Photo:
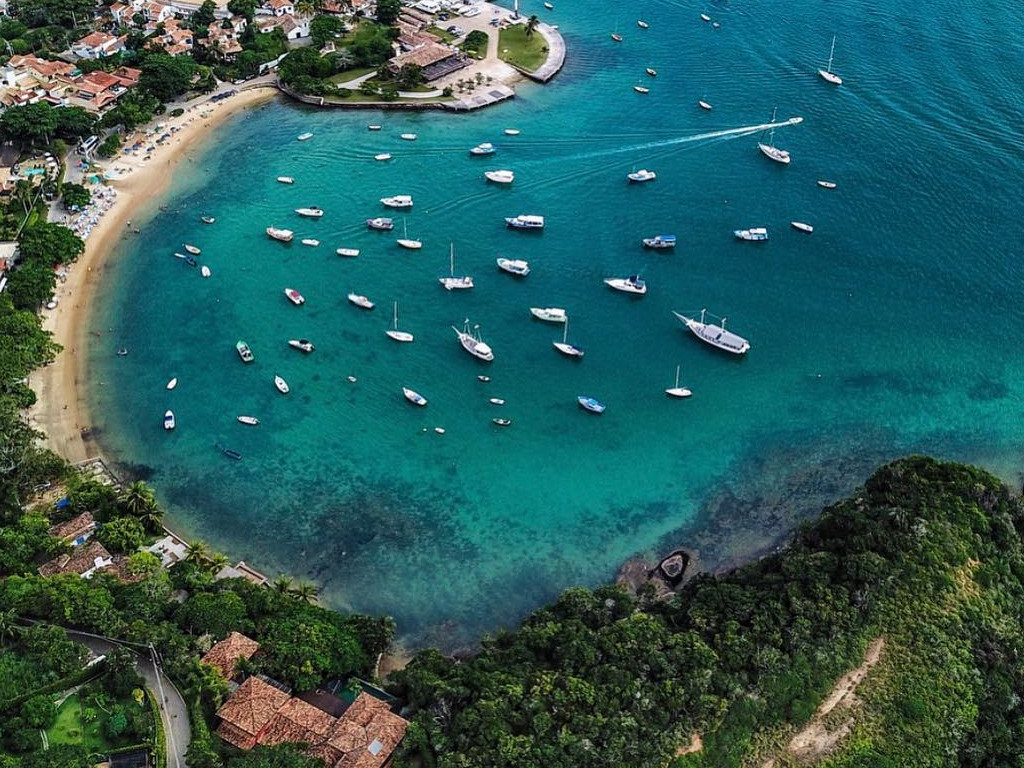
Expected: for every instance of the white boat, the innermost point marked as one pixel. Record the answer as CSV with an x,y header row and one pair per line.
x,y
802,226
381,223
632,284
191,249
396,334
286,179
703,105
350,252
373,127
591,404
406,242
517,267
512,131
473,343
294,297
716,25
303,345
827,74
397,201
312,212
651,71
483,378
754,234
205,271
641,89
659,242
705,17
251,421
549,6
772,152
642,175
715,335
563,346
616,37
408,136
169,423
305,136
642,24
282,385
525,221
207,219
500,177
382,156
182,255
172,383
439,430
361,301
678,391
496,401
414,397
483,149
549,314
821,183
453,283
312,242
284,235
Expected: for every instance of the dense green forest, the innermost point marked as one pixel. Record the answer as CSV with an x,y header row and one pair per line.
x,y
927,556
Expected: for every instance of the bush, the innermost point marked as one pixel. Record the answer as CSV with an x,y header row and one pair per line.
x,y
39,711
177,112
110,146
122,536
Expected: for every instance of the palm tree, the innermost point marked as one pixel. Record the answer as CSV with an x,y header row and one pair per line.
x,y
305,7
137,499
216,561
306,591
283,584
197,551
531,24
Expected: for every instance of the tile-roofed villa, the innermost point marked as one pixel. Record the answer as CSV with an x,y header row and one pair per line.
x,y
83,560
76,530
248,712
297,722
225,654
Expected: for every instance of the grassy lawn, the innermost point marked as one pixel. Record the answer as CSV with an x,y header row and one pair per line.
x,y
446,37
351,74
71,727
516,48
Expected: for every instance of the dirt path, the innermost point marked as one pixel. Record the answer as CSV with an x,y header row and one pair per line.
x,y
817,739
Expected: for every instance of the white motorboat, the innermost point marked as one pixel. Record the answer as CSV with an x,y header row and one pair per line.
x,y
349,252
473,343
382,156
312,212
802,226
705,17
408,136
549,6
207,219
439,430
453,282
651,71
205,271
282,385
512,131
191,249
172,383
483,149
517,267
179,255
677,391
373,127
414,397
642,175
295,297
754,234
591,404
483,378
703,105
251,421
715,335
659,242
642,24
500,177
496,401
305,136
361,301
397,201
311,242
772,152
716,25
406,242
284,235
396,334
616,37
525,221
827,74
381,223
303,345
549,314
286,179
502,422
827,184
641,89
632,284
169,422
563,346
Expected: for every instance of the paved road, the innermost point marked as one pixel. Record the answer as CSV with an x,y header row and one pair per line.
x,y
172,708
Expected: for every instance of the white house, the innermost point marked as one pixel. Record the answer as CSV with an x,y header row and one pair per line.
x,y
96,45
280,7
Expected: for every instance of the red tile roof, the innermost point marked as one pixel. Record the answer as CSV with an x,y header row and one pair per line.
x,y
246,713
82,559
225,654
73,528
296,722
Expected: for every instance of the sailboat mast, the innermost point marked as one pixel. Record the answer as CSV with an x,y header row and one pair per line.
x,y
396,315
565,331
831,54
677,377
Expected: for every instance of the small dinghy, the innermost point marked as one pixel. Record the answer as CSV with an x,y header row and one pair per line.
x,y
616,37
802,226
827,184
591,404
172,383
483,149
169,423
294,297
642,24
191,249
282,385
439,430
496,401
230,453
414,397
205,271
191,260
311,242
286,179
312,212
641,89
182,255
408,137
348,252
705,17
251,421
305,136
638,177
483,378
502,422
703,105
361,301
207,219
511,131
382,156
373,127
651,71
303,345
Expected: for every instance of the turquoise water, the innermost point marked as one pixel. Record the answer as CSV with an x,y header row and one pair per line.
x,y
892,328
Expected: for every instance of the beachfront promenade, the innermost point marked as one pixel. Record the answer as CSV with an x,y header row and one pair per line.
x,y
556,54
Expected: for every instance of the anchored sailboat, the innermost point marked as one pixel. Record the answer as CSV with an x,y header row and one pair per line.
x,y
396,334
452,282
827,74
678,391
564,346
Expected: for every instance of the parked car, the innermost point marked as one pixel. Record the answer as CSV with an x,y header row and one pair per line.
x,y
443,16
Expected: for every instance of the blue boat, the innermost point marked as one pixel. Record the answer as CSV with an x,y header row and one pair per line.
x,y
591,404
191,260
229,453
660,241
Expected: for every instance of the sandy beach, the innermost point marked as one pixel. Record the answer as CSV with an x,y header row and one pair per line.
x,y
60,410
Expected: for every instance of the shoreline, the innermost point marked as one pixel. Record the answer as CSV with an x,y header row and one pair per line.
x,y
60,410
